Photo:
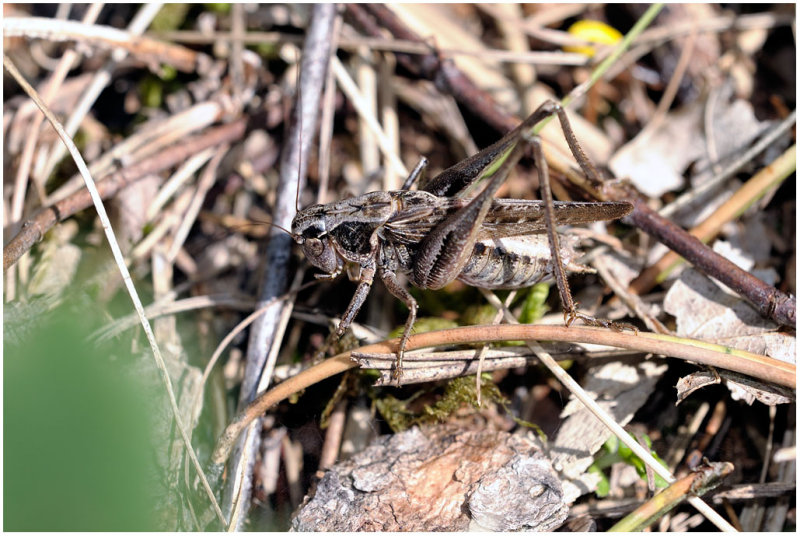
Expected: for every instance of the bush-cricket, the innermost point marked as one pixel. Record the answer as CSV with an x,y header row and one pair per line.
x,y
434,235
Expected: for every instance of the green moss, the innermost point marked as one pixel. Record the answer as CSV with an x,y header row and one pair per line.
x,y
461,391
457,393
396,412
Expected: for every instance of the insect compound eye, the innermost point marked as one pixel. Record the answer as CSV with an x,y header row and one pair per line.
x,y
321,254
314,246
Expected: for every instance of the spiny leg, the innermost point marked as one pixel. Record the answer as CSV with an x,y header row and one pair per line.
x,y
360,295
415,173
364,284
389,279
570,311
459,177
570,307
554,108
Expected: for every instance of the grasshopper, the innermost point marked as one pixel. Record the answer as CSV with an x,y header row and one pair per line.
x,y
435,235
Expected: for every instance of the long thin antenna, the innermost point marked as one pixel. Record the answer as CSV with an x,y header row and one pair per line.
x,y
299,106
276,226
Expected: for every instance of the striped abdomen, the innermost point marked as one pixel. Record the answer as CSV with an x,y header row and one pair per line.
x,y
516,262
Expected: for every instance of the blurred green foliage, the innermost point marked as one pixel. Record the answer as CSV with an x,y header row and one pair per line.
x,y
170,17
534,305
77,434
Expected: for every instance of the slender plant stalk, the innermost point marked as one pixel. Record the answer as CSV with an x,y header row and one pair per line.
x,y
697,483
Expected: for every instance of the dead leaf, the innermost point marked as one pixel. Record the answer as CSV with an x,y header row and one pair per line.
x,y
656,159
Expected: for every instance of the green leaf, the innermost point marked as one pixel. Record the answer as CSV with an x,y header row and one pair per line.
x,y
603,486
534,308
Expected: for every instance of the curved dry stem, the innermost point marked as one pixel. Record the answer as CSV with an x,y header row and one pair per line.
x,y
758,366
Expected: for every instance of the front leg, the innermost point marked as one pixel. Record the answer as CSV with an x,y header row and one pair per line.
x,y
366,277
389,279
365,283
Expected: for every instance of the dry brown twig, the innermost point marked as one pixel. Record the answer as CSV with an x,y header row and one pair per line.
x,y
268,329
34,228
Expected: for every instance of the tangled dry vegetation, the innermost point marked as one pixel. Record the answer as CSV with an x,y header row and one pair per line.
x,y
185,116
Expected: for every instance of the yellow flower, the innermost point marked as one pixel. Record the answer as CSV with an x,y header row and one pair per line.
x,y
595,32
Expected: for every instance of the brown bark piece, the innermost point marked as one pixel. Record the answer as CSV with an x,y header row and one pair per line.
x,y
439,479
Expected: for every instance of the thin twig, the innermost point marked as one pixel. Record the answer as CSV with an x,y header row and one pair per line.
x,y
333,436
770,302
697,483
353,43
480,355
241,326
350,89
188,218
149,140
151,51
169,306
35,227
633,301
181,175
100,79
674,82
50,88
387,99
753,21
739,163
326,121
659,35
367,84
265,332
